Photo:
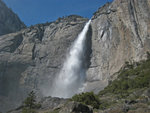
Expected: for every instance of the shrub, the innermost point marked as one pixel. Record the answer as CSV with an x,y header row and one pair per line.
x,y
130,79
30,100
30,104
88,98
148,55
104,105
28,110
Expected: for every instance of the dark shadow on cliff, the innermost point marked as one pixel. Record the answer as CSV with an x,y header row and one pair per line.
x,y
11,91
88,48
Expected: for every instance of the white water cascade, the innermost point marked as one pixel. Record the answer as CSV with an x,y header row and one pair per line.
x,y
72,76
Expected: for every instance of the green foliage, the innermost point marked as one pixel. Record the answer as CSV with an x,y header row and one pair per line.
x,y
148,103
28,110
104,105
30,104
88,98
128,65
30,100
148,55
130,79
55,111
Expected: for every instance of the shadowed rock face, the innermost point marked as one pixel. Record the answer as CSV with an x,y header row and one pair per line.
x,y
9,21
120,32
31,58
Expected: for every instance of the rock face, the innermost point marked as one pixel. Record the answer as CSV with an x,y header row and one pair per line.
x,y
57,105
31,58
74,107
9,21
120,32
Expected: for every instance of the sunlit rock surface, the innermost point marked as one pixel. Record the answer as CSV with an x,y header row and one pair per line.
x,y
120,32
30,59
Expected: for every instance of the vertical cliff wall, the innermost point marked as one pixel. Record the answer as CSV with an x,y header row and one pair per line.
x,y
30,59
120,32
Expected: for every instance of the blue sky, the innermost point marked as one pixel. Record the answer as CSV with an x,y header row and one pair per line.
x,y
40,11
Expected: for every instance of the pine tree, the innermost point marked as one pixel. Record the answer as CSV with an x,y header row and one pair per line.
x,y
30,100
29,103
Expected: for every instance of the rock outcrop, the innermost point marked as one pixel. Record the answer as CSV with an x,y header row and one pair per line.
x,y
57,105
120,33
9,21
31,58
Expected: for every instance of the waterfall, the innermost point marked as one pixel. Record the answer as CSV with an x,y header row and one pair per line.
x,y
72,75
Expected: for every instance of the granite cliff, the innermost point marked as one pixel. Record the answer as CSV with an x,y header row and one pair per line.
x,y
31,58
120,33
9,21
